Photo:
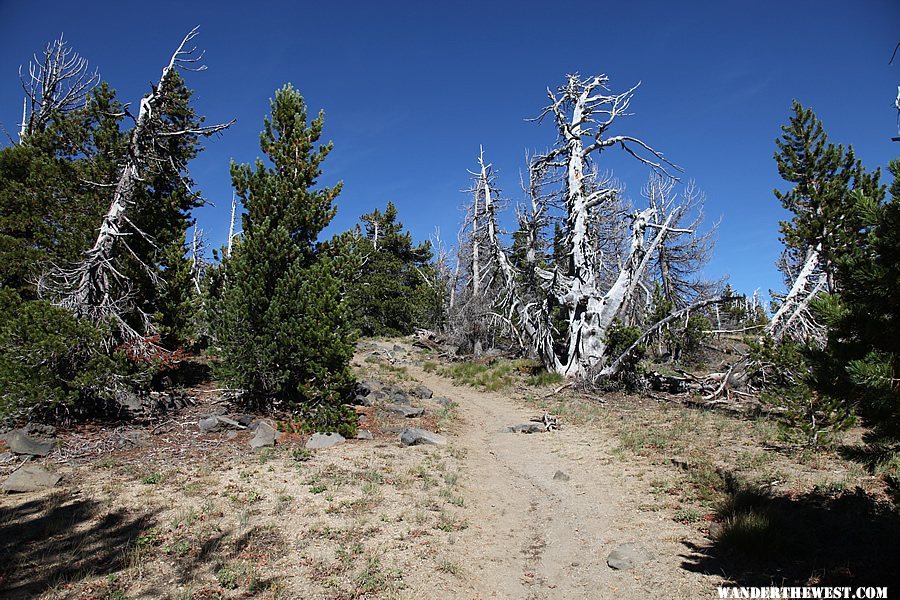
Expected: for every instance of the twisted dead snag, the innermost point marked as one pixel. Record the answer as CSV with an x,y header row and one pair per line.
x,y
96,287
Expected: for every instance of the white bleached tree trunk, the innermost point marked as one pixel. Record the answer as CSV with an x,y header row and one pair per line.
x,y
94,287
793,320
583,111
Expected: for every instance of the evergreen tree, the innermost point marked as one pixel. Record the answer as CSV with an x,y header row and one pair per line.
x,y
823,176
283,330
397,288
861,361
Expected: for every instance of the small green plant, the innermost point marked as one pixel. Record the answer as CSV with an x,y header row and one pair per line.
x,y
449,567
179,548
301,455
317,488
687,515
152,479
227,578
430,366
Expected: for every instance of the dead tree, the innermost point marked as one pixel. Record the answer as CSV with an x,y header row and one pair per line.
x,y
96,287
793,319
684,251
583,111
56,83
473,322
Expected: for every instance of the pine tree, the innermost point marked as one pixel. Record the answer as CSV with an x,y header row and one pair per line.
x,y
283,331
861,361
397,288
823,176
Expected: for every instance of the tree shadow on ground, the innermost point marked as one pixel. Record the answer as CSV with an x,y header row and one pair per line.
x,y
849,539
61,539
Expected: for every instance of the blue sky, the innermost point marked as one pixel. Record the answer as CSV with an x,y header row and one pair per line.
x,y
410,90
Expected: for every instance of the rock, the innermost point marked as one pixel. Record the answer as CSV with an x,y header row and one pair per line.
x,y
399,348
444,401
626,556
364,434
364,401
525,428
366,387
230,422
265,435
560,476
20,442
421,391
39,430
231,435
413,436
396,395
217,410
130,402
324,440
208,424
404,411
30,478
244,420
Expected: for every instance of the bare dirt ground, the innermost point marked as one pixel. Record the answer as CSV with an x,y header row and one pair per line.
x,y
173,513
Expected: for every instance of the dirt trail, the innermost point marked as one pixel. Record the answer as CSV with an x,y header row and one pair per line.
x,y
533,536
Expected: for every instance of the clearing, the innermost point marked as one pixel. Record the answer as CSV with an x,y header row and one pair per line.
x,y
695,498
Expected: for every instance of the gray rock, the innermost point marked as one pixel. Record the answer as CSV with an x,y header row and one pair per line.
x,y
404,411
30,478
560,476
39,430
231,435
366,387
364,400
396,395
130,401
399,348
265,435
626,556
525,428
230,422
444,401
324,440
364,434
217,410
20,442
244,420
421,391
209,424
413,436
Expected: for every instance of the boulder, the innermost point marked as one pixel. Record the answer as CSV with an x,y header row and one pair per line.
x,y
421,391
525,428
30,478
404,411
264,435
230,422
20,442
209,424
444,401
364,434
413,436
324,440
625,557
244,420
